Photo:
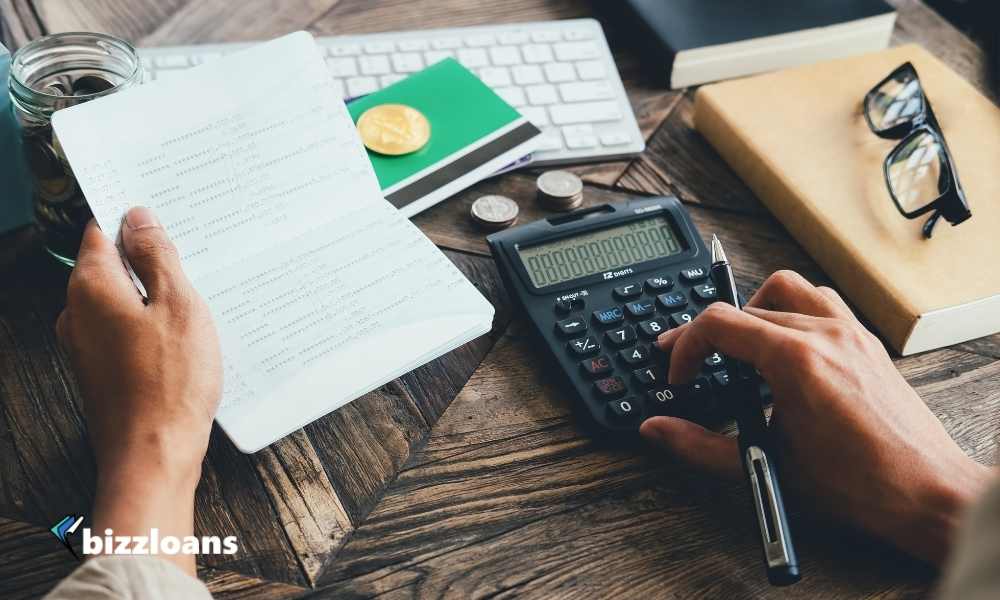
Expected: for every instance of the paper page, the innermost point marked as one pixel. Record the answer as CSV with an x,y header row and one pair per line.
x,y
253,166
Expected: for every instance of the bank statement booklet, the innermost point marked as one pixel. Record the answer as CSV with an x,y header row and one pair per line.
x,y
320,289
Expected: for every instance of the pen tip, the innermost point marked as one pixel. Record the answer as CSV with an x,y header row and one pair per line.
x,y
718,254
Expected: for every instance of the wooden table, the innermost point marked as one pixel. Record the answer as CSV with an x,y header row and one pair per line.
x,y
468,476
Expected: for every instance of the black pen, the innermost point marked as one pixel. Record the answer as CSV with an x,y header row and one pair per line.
x,y
757,451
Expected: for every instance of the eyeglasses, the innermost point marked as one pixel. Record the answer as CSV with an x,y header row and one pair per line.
x,y
919,172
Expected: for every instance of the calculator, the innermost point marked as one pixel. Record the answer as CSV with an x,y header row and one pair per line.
x,y
599,285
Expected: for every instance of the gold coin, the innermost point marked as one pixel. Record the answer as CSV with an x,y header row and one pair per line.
x,y
394,129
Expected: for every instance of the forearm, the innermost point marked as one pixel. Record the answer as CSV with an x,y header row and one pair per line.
x,y
135,497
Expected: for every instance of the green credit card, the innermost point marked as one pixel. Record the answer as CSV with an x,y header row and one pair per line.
x,y
474,133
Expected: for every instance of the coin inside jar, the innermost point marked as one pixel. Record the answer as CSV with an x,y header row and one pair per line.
x,y
394,129
91,84
495,212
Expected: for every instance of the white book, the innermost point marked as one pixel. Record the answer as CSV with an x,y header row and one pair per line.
x,y
320,289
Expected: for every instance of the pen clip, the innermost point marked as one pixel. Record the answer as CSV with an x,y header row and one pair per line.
x,y
765,503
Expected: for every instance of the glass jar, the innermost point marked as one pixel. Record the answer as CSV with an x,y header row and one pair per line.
x,y
48,74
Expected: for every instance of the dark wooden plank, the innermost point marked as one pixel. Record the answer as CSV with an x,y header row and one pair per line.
x,y
19,23
128,19
552,514
33,560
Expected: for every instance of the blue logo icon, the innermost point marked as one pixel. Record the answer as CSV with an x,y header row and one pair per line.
x,y
66,527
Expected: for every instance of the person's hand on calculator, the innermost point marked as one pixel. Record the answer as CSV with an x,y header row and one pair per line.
x,y
854,438
150,374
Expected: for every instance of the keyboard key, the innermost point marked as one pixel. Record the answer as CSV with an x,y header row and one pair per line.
x,y
638,355
380,47
536,114
585,112
505,55
546,36
410,62
640,308
680,318
377,64
344,50
694,274
495,76
559,72
578,34
597,366
581,142
537,53
342,67
528,75
706,292
359,86
413,45
621,337
615,139
652,328
591,69
672,301
480,40
662,400
387,80
716,360
586,91
627,291
645,377
436,56
551,139
512,95
446,43
623,411
542,94
610,316
567,51
610,386
473,58
572,326
584,346
659,284
513,37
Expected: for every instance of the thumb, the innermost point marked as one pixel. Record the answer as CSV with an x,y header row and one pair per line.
x,y
151,254
695,445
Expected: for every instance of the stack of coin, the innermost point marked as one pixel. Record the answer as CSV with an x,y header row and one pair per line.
x,y
494,212
560,190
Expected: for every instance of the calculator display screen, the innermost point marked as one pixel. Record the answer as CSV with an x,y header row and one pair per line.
x,y
599,251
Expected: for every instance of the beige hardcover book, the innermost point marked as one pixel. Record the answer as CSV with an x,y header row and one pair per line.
x,y
798,138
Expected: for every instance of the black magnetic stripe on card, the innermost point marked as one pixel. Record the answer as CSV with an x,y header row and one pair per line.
x,y
463,165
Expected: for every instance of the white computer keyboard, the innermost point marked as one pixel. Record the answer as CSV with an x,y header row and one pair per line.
x,y
559,74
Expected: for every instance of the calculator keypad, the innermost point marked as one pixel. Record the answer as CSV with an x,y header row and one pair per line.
x,y
617,355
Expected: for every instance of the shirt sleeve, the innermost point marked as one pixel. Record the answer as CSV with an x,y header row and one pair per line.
x,y
973,572
129,578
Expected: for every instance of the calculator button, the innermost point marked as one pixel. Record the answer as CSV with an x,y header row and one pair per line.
x,y
624,410
638,355
640,308
706,292
720,379
572,326
584,346
672,301
597,366
659,284
645,377
610,387
622,336
680,318
609,316
564,306
715,361
629,291
694,274
652,328
662,400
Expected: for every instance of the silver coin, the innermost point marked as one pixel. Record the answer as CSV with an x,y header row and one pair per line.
x,y
495,211
559,184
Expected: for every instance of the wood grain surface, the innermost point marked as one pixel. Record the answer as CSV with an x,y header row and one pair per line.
x,y
468,477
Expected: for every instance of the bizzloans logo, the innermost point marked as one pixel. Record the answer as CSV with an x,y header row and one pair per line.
x,y
152,544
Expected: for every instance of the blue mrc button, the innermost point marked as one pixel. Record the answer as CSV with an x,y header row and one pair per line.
x,y
609,316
